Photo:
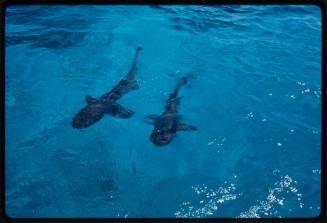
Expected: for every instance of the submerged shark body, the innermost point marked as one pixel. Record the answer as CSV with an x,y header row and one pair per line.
x,y
106,104
169,122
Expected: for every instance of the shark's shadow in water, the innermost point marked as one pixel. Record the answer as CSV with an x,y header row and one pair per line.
x,y
107,103
169,122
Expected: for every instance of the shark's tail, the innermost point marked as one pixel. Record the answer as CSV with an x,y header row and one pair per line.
x,y
132,71
138,49
182,82
185,80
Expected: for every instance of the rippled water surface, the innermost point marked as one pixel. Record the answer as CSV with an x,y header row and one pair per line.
x,y
255,98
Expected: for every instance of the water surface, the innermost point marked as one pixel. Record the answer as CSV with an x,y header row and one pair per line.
x,y
255,99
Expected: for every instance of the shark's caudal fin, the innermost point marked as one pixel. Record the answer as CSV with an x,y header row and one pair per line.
x,y
118,111
138,50
133,69
183,81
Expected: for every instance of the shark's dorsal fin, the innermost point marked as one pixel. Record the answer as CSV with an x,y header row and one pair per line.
x,y
186,127
89,99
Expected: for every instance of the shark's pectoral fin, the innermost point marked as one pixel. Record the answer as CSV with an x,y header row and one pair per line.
x,y
89,99
185,127
118,111
151,119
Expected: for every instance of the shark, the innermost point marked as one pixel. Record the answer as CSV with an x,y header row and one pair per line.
x,y
169,122
96,108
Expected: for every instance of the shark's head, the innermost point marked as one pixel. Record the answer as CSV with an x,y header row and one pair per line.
x,y
162,135
88,116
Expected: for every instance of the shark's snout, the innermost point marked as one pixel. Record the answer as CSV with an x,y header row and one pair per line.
x,y
161,139
79,123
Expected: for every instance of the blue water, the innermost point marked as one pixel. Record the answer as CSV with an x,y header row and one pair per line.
x,y
255,99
